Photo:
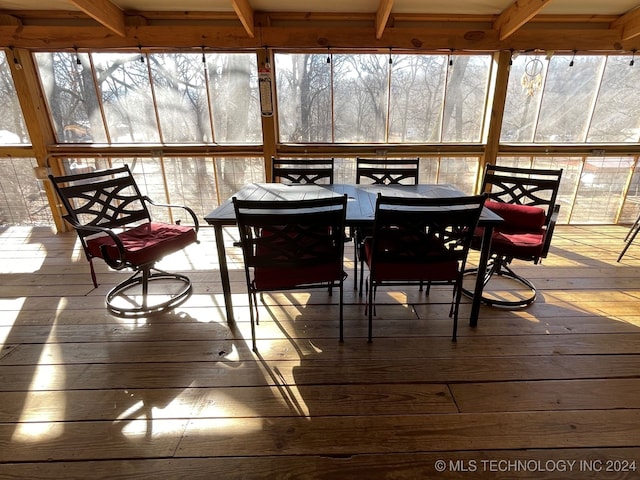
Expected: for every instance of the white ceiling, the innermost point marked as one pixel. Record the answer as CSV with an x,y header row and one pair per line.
x,y
452,7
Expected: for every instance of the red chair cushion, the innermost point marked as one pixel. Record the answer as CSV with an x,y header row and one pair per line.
x,y
145,243
516,217
522,233
301,248
518,245
422,262
267,278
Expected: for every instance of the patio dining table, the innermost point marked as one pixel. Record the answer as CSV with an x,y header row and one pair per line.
x,y
361,205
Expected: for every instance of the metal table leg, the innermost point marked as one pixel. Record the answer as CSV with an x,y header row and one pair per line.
x,y
482,268
224,272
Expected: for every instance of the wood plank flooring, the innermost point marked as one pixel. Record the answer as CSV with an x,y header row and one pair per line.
x,y
551,391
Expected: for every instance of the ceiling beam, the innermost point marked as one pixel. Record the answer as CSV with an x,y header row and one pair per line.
x,y
516,15
382,16
630,23
105,13
10,20
185,35
245,13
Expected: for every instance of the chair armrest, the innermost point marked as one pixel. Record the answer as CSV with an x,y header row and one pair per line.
x,y
86,230
169,205
549,232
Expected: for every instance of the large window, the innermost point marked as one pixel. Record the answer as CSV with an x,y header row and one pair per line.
x,y
578,99
12,128
572,99
375,98
203,104
23,200
152,98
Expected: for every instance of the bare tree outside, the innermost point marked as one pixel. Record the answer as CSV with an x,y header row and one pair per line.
x,y
417,98
304,97
12,126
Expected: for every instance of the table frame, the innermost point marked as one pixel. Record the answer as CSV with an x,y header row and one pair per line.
x,y
360,212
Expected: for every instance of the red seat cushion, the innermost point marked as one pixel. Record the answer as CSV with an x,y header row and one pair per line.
x,y
522,233
289,246
416,259
267,278
145,243
518,245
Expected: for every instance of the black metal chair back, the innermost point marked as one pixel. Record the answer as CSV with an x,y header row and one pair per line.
x,y
421,240
302,170
290,245
104,198
387,170
524,186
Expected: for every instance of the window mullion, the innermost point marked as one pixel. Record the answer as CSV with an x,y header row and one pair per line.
x,y
595,98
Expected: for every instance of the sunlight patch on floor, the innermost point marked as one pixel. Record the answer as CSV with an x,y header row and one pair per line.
x,y
35,423
11,308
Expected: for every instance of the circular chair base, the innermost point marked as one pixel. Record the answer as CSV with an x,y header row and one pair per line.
x,y
131,297
505,272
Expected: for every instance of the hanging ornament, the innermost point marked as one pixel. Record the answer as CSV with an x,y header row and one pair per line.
x,y
532,77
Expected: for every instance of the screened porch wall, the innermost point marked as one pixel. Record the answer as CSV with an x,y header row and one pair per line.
x,y
193,123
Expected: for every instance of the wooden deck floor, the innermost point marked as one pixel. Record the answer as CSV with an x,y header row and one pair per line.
x,y
551,391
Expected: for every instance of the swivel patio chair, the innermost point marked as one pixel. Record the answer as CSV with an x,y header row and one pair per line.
x,y
421,240
525,198
377,171
289,245
113,222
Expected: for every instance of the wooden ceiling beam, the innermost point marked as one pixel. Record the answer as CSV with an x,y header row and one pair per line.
x,y
245,13
630,23
184,35
105,13
10,20
516,15
382,16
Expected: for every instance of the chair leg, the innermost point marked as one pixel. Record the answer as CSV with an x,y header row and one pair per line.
x,y
370,309
635,226
93,273
253,304
341,311
355,265
455,308
145,287
358,258
631,235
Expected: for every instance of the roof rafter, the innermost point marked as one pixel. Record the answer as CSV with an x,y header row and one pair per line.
x,y
630,23
104,12
245,13
382,16
516,15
